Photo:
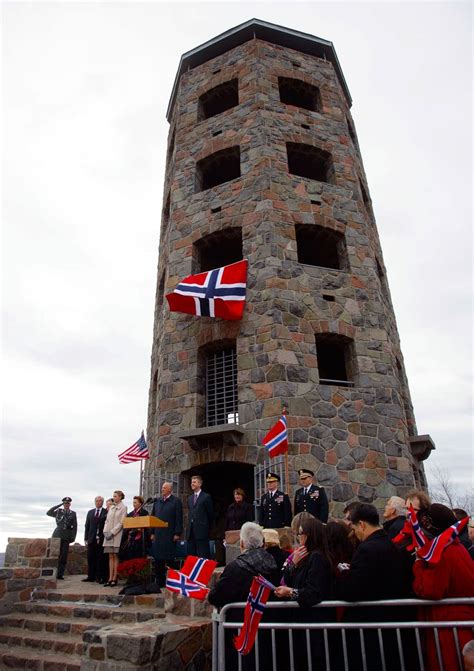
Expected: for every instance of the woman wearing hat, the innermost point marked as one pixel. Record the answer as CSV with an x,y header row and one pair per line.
x,y
113,530
450,577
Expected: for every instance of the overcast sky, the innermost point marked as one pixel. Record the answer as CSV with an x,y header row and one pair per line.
x,y
85,91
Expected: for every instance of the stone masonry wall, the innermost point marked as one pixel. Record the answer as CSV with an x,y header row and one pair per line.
x,y
355,439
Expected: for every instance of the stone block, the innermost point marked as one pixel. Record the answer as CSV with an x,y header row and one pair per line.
x,y
36,547
131,648
342,492
327,475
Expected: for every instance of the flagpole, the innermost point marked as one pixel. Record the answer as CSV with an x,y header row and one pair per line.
x,y
287,475
141,479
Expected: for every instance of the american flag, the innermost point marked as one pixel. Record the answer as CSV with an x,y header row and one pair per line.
x,y
276,440
181,584
215,293
135,452
258,596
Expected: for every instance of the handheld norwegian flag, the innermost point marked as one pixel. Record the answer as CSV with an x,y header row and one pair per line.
x,y
258,596
216,293
431,552
411,530
198,569
181,584
276,440
135,452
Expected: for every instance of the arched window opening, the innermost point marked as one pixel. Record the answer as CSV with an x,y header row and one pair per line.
x,y
320,246
336,359
300,94
218,249
218,168
304,160
219,99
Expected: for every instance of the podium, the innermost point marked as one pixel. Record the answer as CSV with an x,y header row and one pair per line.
x,y
144,522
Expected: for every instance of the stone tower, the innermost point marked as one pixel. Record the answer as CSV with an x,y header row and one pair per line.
x,y
264,164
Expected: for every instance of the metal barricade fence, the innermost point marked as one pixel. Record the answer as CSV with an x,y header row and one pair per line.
x,y
279,652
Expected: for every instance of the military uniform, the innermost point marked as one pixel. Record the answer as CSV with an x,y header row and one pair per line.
x,y
313,500
275,507
66,530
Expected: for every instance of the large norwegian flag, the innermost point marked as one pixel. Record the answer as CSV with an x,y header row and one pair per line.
x,y
412,531
216,293
260,590
276,440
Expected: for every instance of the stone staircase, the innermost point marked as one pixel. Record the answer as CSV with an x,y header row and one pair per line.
x,y
51,631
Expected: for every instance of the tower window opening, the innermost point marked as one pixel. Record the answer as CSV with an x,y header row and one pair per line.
x,y
219,99
319,246
329,298
221,387
218,249
171,145
161,289
166,211
218,168
336,361
153,398
304,160
352,134
300,94
365,195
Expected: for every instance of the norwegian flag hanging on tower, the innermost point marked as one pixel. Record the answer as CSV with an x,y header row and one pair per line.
x,y
215,293
276,440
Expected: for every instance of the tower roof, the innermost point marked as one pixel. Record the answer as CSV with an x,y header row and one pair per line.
x,y
270,32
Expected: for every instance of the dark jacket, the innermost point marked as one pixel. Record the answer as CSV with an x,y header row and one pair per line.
x,y
236,579
135,542
171,511
376,572
66,523
394,526
314,502
238,514
94,528
313,579
280,556
201,516
274,511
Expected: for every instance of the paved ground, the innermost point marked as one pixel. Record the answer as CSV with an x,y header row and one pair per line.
x,y
72,584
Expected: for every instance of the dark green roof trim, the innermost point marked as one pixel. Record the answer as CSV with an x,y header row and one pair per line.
x,y
254,28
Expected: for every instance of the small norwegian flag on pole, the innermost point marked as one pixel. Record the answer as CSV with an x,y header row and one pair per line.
x,y
181,584
276,440
198,569
135,452
260,590
215,293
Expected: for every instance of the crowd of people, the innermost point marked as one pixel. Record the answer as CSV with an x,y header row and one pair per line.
x,y
357,558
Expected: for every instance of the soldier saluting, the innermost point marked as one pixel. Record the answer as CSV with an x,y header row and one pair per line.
x,y
66,530
311,498
275,506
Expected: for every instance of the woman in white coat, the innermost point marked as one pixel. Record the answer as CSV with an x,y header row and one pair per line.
x,y
113,530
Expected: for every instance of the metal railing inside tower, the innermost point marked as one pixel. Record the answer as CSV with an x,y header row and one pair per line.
x,y
221,388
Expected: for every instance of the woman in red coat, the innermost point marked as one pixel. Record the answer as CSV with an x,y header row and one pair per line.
x,y
451,577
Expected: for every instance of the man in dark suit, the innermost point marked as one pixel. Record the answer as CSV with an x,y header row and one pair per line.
x,y
66,530
93,538
201,517
169,509
311,498
275,506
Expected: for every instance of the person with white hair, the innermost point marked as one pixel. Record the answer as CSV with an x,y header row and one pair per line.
x,y
234,583
394,516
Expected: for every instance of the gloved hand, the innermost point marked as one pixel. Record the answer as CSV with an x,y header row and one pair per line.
x,y
108,535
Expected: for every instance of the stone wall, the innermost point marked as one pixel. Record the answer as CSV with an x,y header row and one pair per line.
x,y
17,584
356,439
150,647
43,553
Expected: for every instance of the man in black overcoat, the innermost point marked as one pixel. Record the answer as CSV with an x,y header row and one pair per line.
x,y
169,509
377,572
66,530
275,506
93,538
310,498
201,517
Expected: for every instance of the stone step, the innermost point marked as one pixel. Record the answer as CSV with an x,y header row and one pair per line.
x,y
101,596
103,613
17,657
47,623
67,644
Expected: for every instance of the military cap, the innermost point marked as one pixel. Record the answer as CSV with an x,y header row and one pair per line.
x,y
303,472
273,477
67,499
